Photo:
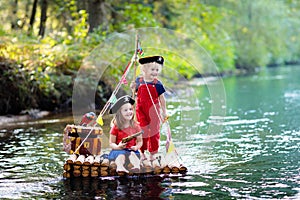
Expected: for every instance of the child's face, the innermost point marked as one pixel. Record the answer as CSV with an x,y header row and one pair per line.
x,y
151,71
127,111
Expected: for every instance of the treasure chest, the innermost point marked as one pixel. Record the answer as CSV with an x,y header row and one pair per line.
x,y
87,137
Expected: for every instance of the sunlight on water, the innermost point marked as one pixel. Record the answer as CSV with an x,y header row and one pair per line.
x,y
249,147
23,189
225,121
250,153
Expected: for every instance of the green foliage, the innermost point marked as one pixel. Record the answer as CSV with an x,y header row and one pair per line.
x,y
46,74
15,87
134,15
292,31
236,34
262,34
180,70
204,25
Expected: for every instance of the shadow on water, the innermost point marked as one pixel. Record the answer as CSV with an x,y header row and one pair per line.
x,y
120,188
146,187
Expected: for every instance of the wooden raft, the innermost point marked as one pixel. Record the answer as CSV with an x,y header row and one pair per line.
x,y
98,166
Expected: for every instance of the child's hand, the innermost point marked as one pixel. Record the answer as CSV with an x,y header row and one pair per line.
x,y
122,145
132,85
164,117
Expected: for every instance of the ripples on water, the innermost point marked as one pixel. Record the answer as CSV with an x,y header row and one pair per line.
x,y
255,155
29,158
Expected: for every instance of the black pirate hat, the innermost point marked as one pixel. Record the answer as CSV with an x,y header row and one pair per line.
x,y
120,102
150,59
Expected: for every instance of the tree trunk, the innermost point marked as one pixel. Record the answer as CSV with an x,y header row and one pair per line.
x,y
44,6
82,5
24,19
32,17
97,14
14,21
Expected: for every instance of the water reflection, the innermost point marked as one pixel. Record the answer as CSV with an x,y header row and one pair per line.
x,y
115,188
158,187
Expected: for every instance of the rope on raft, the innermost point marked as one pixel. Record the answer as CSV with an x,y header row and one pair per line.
x,y
162,121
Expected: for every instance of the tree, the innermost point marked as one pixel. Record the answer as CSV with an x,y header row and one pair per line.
x,y
204,24
44,6
14,22
32,16
97,14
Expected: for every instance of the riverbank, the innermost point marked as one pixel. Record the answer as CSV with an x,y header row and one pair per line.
x,y
8,120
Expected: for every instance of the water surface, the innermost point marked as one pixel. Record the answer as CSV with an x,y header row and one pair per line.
x,y
254,153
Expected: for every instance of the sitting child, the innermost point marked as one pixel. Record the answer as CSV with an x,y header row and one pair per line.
x,y
124,125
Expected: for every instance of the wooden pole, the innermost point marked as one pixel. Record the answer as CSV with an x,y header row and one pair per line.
x,y
105,163
66,174
80,160
67,167
135,60
72,159
97,160
89,160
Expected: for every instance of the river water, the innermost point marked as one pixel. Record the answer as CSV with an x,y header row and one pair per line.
x,y
249,151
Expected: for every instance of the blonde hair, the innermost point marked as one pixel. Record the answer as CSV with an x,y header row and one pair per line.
x,y
146,65
119,120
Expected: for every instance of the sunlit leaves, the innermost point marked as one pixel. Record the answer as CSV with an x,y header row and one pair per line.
x,y
203,23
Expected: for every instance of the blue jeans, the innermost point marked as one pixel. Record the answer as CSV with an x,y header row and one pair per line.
x,y
113,154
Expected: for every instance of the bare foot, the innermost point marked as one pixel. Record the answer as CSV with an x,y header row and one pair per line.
x,y
146,163
122,169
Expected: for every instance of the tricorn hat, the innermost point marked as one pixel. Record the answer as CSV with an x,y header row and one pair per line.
x,y
150,59
120,102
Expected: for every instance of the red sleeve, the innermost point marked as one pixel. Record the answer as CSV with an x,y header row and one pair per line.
x,y
137,127
114,130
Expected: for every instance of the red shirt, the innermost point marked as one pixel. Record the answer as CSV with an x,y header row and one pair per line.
x,y
120,134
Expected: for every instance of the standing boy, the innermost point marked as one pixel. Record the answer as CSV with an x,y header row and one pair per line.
x,y
150,99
